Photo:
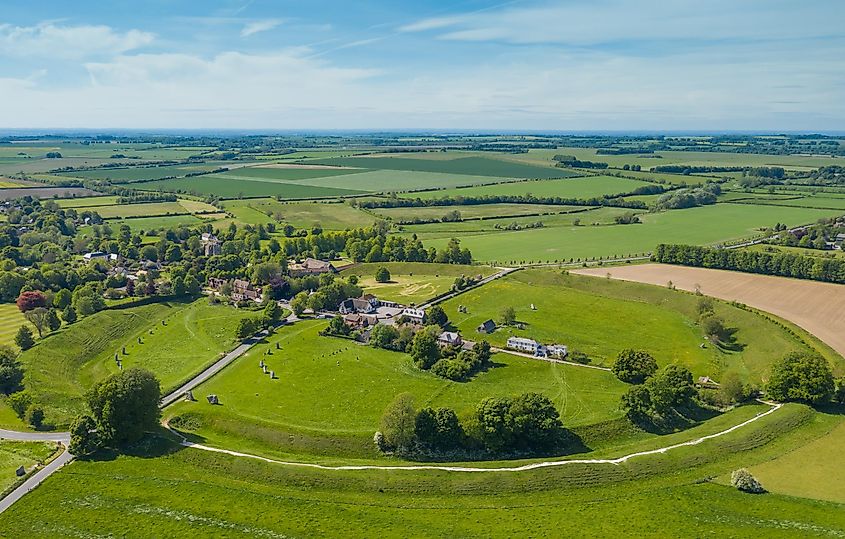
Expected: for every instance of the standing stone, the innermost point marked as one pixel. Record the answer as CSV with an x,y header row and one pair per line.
x,y
272,375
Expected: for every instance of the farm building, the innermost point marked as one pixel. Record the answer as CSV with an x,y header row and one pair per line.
x,y
311,266
488,326
360,321
414,315
449,338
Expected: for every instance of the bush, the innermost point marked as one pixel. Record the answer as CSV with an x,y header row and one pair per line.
x,y
634,366
11,372
24,338
19,402
382,275
744,481
35,416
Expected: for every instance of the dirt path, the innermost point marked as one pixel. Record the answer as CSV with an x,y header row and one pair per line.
x,y
817,307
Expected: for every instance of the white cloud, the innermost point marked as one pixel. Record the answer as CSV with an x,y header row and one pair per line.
x,y
53,41
256,27
434,23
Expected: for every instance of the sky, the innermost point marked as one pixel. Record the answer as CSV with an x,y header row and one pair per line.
x,y
566,65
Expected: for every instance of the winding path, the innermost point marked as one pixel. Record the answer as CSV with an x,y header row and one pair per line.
x,y
524,468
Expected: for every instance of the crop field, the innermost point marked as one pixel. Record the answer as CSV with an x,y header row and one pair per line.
x,y
6,183
474,211
601,317
699,226
818,201
190,492
475,165
133,174
300,413
60,368
331,216
88,202
136,210
584,187
10,320
413,282
45,192
811,305
235,188
281,173
26,454
402,180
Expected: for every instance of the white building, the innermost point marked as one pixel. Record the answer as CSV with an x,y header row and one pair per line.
x,y
559,351
414,315
529,346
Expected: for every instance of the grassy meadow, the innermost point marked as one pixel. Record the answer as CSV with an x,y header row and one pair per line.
x,y
330,216
27,454
480,211
11,319
413,282
583,187
474,165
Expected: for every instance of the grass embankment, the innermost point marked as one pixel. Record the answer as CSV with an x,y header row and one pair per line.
x,y
190,492
64,365
600,317
413,282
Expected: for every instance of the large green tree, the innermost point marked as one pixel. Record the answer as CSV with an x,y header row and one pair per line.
x,y
634,366
424,348
398,422
125,405
801,377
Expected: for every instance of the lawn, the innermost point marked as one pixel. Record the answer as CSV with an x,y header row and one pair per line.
x,y
26,454
11,319
601,317
699,226
330,394
413,282
64,365
157,490
583,188
474,165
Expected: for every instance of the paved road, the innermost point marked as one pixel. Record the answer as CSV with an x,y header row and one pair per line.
x,y
35,480
61,437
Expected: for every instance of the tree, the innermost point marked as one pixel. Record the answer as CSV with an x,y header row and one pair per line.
x,y
83,436
298,303
508,316
272,311
38,318
534,421
839,392
671,387
637,403
192,285
383,336
35,416
801,377
438,429
634,366
178,286
53,322
30,300
732,388
493,416
382,275
714,328
744,481
24,339
436,315
19,402
11,372
424,349
125,405
337,326
246,328
69,314
62,299
398,422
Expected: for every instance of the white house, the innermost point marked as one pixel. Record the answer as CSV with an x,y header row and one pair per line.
x,y
449,338
414,315
529,346
557,350
99,255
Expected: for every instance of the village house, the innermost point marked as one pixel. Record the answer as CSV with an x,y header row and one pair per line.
x,y
449,338
311,266
488,326
358,305
244,290
414,315
99,255
529,346
216,284
360,321
210,244
558,351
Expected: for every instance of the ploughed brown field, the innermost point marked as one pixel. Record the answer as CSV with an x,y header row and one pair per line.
x,y
817,307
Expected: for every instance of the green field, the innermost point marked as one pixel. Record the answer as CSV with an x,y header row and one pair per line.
x,y
196,493
125,175
330,394
331,216
234,188
26,454
151,223
601,317
272,173
474,165
60,368
136,210
87,202
413,282
584,188
474,211
700,226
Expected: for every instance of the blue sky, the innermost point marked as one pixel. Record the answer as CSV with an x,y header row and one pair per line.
x,y
770,65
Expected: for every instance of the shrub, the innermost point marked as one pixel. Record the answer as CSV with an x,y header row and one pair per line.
x,y
19,402
11,372
35,416
744,481
382,275
24,338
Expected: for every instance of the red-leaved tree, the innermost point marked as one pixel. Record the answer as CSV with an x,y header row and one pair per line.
x,y
31,300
